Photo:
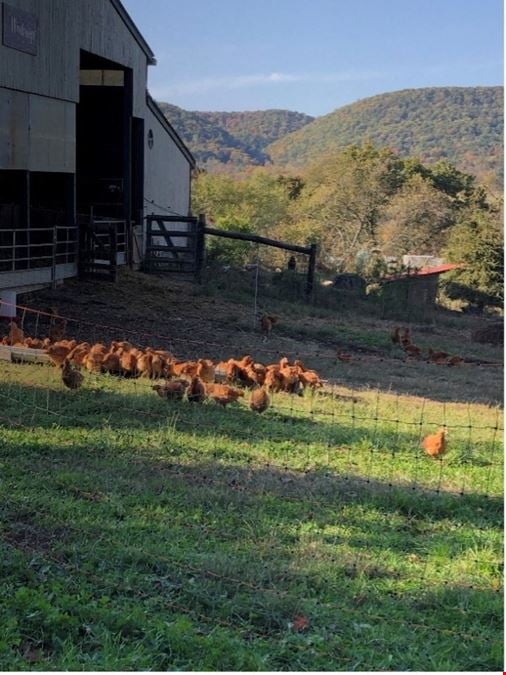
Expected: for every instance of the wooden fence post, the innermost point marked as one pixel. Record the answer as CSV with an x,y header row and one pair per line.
x,y
200,247
310,272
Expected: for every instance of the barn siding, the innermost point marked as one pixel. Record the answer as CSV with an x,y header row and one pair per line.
x,y
166,169
92,25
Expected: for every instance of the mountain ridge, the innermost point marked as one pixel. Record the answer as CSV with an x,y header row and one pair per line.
x,y
463,125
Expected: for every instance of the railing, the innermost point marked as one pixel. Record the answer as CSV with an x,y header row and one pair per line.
x,y
36,247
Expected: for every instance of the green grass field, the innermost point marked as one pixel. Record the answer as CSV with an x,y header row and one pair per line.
x,y
138,534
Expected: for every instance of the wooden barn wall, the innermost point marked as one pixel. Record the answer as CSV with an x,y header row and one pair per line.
x,y
65,27
166,170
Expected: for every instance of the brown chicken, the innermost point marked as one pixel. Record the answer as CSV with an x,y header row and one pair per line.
x,y
111,363
128,362
71,378
406,337
206,370
94,358
223,393
412,350
435,444
455,361
311,379
172,391
185,368
395,335
273,378
76,355
57,326
16,335
343,357
34,343
196,391
259,401
290,377
58,353
267,321
435,357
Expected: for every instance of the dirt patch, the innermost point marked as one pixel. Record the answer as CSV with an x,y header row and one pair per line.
x,y
188,320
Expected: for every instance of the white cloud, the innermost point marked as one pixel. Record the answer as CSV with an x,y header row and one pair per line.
x,y
259,80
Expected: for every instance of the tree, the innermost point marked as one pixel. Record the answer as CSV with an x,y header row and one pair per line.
x,y
416,220
342,199
477,241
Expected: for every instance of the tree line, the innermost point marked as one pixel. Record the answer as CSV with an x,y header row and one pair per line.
x,y
364,202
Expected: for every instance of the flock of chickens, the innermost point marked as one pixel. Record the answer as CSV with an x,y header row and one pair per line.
x,y
223,382
439,358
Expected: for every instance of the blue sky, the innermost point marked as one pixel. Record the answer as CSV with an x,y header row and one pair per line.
x,y
315,55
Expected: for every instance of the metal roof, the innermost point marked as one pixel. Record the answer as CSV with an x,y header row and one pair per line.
x,y
424,272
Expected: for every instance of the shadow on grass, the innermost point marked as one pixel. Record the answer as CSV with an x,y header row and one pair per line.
x,y
232,546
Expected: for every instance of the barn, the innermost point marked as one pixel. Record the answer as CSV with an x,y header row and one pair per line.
x,y
85,152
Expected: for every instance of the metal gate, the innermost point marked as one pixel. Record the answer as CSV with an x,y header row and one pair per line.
x,y
174,244
102,245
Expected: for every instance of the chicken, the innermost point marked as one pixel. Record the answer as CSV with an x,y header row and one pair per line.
x,y
111,363
406,337
94,358
260,400
196,391
223,393
412,350
173,391
455,361
273,379
290,377
76,355
435,357
260,371
144,364
435,444
71,378
58,353
395,335
185,368
206,370
57,325
311,379
157,365
128,362
267,321
342,356
16,335
33,343
122,346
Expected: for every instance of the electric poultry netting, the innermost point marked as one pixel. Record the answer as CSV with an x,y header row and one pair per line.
x,y
328,456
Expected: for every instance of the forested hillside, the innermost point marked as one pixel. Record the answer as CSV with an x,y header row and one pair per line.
x,y
231,141
463,125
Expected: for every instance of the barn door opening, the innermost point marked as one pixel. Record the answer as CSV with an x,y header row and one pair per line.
x,y
104,147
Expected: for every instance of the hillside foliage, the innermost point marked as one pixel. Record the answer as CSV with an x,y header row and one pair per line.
x,y
232,141
462,125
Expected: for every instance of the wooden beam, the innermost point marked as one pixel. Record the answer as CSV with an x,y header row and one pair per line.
x,y
258,240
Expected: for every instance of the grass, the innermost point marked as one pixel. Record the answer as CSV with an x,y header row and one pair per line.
x,y
138,534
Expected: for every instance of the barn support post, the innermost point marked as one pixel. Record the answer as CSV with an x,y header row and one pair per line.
x,y
200,247
311,272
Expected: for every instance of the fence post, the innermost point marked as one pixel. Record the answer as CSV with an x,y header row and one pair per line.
x,y
310,272
53,260
200,247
